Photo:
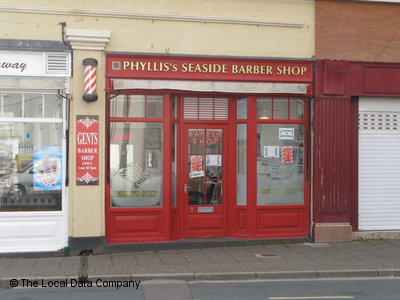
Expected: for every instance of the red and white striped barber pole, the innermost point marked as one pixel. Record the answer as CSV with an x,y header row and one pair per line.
x,y
90,69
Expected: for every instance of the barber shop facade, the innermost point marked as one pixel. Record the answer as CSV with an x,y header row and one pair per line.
x,y
202,147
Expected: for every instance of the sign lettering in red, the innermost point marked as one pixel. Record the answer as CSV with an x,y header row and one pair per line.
x,y
87,150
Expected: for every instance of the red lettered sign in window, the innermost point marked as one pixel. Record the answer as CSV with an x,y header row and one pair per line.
x,y
87,150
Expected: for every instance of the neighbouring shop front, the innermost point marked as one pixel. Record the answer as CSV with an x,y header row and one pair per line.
x,y
33,206
356,139
206,147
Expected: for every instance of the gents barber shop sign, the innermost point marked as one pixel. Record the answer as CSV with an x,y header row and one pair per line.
x,y
87,150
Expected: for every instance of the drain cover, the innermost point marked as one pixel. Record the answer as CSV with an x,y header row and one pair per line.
x,y
267,255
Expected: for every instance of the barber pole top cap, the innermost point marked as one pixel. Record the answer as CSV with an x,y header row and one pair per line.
x,y
90,62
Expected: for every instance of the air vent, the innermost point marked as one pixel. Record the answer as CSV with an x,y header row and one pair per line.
x,y
205,108
57,64
220,109
382,121
191,108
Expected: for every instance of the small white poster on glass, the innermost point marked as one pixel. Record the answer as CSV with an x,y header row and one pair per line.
x,y
213,160
286,133
271,151
196,174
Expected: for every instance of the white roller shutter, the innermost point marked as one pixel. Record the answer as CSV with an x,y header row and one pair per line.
x,y
379,164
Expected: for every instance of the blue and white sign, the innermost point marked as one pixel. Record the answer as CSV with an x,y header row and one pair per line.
x,y
47,174
286,133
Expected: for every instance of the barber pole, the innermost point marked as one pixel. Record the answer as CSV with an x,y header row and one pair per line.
x,y
90,69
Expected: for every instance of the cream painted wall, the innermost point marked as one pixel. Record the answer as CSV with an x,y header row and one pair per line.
x,y
40,21
86,203
155,36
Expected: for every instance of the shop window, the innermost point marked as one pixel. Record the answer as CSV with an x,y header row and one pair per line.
x,y
30,166
174,107
33,105
280,168
137,106
242,109
296,109
30,105
136,164
241,165
280,108
11,105
52,106
264,108
31,175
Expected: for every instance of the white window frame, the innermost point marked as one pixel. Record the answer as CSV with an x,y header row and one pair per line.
x,y
37,231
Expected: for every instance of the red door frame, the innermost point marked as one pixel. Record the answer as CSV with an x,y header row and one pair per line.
x,y
217,209
182,124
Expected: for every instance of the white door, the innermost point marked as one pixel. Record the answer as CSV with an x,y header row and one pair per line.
x,y
379,164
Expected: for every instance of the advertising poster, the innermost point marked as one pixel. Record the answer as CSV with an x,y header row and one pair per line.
x,y
213,160
47,175
87,150
196,166
287,154
271,151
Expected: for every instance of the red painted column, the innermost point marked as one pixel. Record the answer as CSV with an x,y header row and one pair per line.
x,y
252,167
332,160
333,143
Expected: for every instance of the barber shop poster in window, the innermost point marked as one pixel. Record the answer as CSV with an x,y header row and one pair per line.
x,y
47,172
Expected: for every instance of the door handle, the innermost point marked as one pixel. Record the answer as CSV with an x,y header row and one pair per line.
x,y
185,188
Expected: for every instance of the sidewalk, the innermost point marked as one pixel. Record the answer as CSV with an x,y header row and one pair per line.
x,y
273,261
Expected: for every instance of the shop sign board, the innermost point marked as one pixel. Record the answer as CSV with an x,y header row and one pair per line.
x,y
208,68
87,149
19,63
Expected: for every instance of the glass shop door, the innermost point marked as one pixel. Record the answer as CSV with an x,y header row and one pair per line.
x,y
204,188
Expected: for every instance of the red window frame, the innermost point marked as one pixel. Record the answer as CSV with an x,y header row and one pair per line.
x,y
243,220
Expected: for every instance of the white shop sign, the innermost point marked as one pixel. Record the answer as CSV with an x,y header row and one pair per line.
x,y
34,64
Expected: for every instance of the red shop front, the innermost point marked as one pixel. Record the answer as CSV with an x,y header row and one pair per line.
x,y
206,147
